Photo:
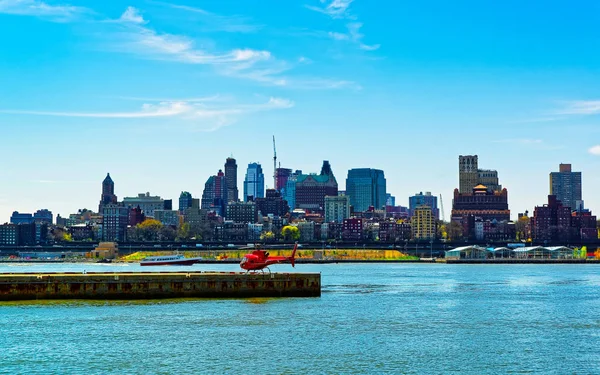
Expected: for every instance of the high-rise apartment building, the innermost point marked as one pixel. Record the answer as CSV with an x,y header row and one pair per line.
x,y
337,209
242,212
421,199
115,222
272,204
108,193
254,183
566,186
231,177
423,224
366,187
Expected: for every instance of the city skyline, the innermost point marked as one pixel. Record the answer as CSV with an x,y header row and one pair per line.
x,y
159,94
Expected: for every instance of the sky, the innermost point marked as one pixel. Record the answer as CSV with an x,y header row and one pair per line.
x,y
160,93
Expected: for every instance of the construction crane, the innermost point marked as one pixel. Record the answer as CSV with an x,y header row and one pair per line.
x,y
274,164
442,206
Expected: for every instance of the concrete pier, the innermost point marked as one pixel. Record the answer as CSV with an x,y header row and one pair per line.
x,y
156,285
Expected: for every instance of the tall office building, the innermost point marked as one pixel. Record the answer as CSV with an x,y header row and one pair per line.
x,y
231,177
283,174
421,199
185,201
254,183
366,187
108,193
43,216
566,186
468,173
312,189
214,196
289,193
337,209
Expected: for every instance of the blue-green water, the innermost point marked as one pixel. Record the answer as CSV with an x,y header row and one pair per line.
x,y
372,318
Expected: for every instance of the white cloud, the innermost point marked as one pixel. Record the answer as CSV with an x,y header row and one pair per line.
x,y
141,40
163,109
353,35
37,8
595,150
581,107
132,15
334,9
198,116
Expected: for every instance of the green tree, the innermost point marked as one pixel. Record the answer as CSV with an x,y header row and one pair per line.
x,y
267,236
149,230
184,232
290,233
455,231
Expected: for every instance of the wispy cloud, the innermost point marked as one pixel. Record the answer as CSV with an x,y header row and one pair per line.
x,y
163,109
249,64
333,8
217,22
37,8
580,107
595,150
340,9
135,38
193,115
354,35
132,15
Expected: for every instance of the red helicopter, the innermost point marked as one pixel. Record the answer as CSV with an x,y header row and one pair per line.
x,y
258,260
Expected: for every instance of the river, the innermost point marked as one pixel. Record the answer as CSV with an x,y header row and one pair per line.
x,y
372,318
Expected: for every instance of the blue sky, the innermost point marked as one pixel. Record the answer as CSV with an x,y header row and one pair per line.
x,y
159,93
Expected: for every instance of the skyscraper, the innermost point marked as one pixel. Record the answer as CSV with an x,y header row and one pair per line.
x,y
312,189
468,173
231,177
254,183
289,193
215,194
282,177
566,186
185,201
366,187
108,193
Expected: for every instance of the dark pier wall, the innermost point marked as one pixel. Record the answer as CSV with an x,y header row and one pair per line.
x,y
126,286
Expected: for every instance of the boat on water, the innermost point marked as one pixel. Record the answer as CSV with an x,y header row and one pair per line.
x,y
169,260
